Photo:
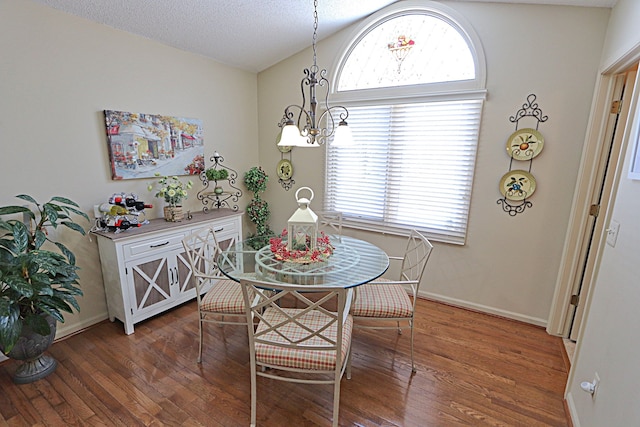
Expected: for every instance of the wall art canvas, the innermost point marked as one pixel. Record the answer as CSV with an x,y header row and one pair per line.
x,y
141,145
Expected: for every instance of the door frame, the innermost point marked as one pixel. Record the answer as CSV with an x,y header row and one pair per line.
x,y
588,184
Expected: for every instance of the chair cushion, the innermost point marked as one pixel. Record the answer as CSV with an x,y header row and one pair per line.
x,y
323,360
224,297
380,300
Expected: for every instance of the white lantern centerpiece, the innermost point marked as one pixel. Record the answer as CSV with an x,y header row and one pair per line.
x,y
302,227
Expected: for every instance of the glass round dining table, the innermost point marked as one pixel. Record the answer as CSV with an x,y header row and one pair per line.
x,y
352,263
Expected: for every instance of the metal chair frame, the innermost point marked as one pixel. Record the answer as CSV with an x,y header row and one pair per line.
x,y
282,335
202,250
331,222
414,262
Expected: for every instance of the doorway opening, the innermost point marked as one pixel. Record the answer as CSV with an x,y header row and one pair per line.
x,y
595,184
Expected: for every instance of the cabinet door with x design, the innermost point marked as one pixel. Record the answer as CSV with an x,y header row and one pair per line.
x,y
156,279
146,270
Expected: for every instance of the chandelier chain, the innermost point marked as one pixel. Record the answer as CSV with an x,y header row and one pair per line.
x,y
315,31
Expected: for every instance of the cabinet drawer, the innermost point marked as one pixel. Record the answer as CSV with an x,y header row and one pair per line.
x,y
149,246
226,226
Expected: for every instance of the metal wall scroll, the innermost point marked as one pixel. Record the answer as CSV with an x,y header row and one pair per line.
x,y
224,193
523,145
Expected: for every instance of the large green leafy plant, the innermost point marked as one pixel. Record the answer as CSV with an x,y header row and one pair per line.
x,y
35,281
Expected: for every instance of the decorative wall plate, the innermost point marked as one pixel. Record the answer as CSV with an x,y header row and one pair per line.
x,y
517,185
525,144
285,169
283,149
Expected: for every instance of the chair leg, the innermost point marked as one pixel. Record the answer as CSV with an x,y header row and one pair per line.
x,y
399,329
254,397
201,335
413,366
336,401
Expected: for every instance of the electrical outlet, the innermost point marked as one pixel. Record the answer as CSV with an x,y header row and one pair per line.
x,y
591,387
96,212
612,233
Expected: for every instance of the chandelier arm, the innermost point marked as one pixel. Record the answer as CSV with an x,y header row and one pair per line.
x,y
289,114
331,115
332,110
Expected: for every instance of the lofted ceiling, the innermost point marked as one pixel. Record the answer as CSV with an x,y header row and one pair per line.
x,y
248,34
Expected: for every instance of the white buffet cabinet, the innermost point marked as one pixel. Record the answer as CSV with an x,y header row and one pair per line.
x,y
145,269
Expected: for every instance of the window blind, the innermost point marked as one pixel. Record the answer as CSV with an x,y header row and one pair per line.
x,y
411,166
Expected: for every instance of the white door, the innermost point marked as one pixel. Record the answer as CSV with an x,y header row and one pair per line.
x,y
594,187
613,137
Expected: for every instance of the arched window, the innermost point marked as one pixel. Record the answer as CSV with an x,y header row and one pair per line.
x,y
413,80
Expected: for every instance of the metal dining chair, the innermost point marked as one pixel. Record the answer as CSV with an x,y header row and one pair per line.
x,y
330,222
296,338
383,303
219,299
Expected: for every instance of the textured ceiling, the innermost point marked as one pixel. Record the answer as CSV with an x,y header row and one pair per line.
x,y
249,34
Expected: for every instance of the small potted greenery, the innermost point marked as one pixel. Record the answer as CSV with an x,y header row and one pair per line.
x,y
38,281
216,175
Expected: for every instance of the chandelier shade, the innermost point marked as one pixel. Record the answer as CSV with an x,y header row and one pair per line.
x,y
303,125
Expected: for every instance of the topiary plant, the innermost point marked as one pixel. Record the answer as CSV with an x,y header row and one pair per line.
x,y
255,179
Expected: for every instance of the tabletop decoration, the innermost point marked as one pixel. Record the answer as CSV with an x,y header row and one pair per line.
x,y
302,226
172,190
301,252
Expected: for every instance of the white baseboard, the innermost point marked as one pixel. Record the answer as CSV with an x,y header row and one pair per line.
x,y
572,410
64,329
484,309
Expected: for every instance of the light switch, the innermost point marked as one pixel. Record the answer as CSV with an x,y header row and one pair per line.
x,y
612,233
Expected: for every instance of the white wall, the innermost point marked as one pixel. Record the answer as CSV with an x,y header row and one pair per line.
x,y
57,75
509,264
609,344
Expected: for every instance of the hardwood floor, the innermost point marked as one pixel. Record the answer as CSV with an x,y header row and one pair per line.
x,y
473,369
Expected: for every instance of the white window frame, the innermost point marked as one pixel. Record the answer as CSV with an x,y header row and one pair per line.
x,y
472,89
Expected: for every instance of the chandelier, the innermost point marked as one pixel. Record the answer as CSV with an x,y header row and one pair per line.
x,y
302,127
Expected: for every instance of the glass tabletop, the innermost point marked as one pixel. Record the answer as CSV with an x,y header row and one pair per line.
x,y
352,263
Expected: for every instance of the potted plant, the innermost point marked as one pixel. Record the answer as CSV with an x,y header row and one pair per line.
x,y
256,180
38,281
216,175
173,191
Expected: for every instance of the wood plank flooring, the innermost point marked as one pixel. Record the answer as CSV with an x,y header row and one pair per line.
x,y
473,370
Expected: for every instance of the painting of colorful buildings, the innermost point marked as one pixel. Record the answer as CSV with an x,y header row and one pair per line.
x,y
141,145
